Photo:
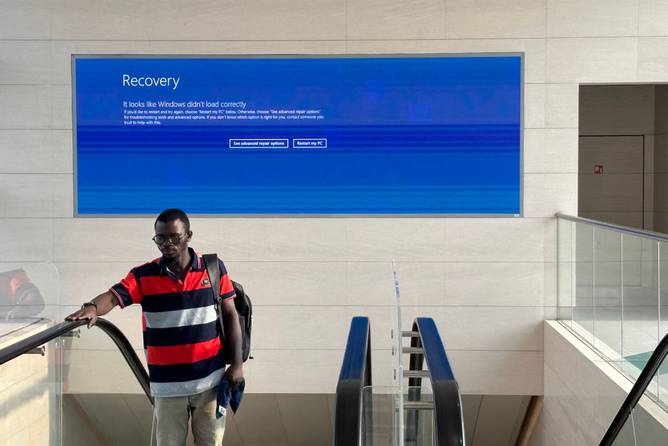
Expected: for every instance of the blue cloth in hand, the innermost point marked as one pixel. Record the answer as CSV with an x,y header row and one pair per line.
x,y
227,395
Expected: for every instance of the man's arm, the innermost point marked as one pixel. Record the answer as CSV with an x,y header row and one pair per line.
x,y
105,302
235,371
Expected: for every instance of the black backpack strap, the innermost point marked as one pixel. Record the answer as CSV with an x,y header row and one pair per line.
x,y
213,269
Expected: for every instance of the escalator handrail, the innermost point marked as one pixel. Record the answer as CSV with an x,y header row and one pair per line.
x,y
448,416
637,391
355,375
34,341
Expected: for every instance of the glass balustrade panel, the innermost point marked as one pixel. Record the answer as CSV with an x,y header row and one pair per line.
x,y
640,304
607,292
30,393
565,271
583,295
380,405
419,421
103,403
29,294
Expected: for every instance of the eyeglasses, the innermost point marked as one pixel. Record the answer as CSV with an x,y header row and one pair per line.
x,y
175,239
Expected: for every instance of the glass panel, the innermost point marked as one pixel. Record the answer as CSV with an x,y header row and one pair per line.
x,y
565,270
583,305
380,406
641,310
30,393
29,293
608,293
397,353
103,402
419,424
30,385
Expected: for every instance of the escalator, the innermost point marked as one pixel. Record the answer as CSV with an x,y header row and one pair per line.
x,y
63,385
428,410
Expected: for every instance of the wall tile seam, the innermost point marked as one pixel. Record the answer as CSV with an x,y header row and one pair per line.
x,y
488,220
336,349
32,84
537,308
344,40
28,173
526,172
231,260
425,306
60,85
638,35
346,218
35,129
593,37
471,219
328,262
544,128
546,83
69,129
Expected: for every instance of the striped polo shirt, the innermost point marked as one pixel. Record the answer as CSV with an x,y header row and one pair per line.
x,y
181,328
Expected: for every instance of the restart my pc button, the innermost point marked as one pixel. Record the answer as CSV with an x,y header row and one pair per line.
x,y
309,143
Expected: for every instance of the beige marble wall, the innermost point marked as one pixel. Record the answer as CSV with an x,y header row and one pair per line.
x,y
27,394
490,282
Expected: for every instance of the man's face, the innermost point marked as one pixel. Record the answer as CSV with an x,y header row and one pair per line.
x,y
172,238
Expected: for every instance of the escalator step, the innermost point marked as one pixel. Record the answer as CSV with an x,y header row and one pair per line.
x,y
416,373
416,350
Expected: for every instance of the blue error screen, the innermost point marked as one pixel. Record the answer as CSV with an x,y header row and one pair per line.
x,y
437,135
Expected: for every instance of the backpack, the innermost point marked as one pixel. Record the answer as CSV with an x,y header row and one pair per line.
x,y
242,303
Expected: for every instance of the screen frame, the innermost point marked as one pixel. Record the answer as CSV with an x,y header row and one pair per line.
x,y
520,54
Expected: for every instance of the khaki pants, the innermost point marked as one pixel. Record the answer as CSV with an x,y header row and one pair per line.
x,y
172,414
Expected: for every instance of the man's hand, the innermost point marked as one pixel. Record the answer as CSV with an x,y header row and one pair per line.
x,y
234,374
88,312
104,302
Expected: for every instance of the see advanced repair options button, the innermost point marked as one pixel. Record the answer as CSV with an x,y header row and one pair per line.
x,y
270,143
305,143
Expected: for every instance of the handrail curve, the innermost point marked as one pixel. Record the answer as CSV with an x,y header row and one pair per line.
x,y
354,377
10,352
448,412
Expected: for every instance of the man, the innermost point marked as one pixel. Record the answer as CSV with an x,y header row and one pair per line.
x,y
181,332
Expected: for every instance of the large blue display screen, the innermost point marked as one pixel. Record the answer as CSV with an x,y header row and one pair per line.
x,y
298,135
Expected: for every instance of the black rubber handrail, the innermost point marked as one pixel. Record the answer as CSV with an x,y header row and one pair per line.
x,y
448,415
31,342
637,391
355,375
